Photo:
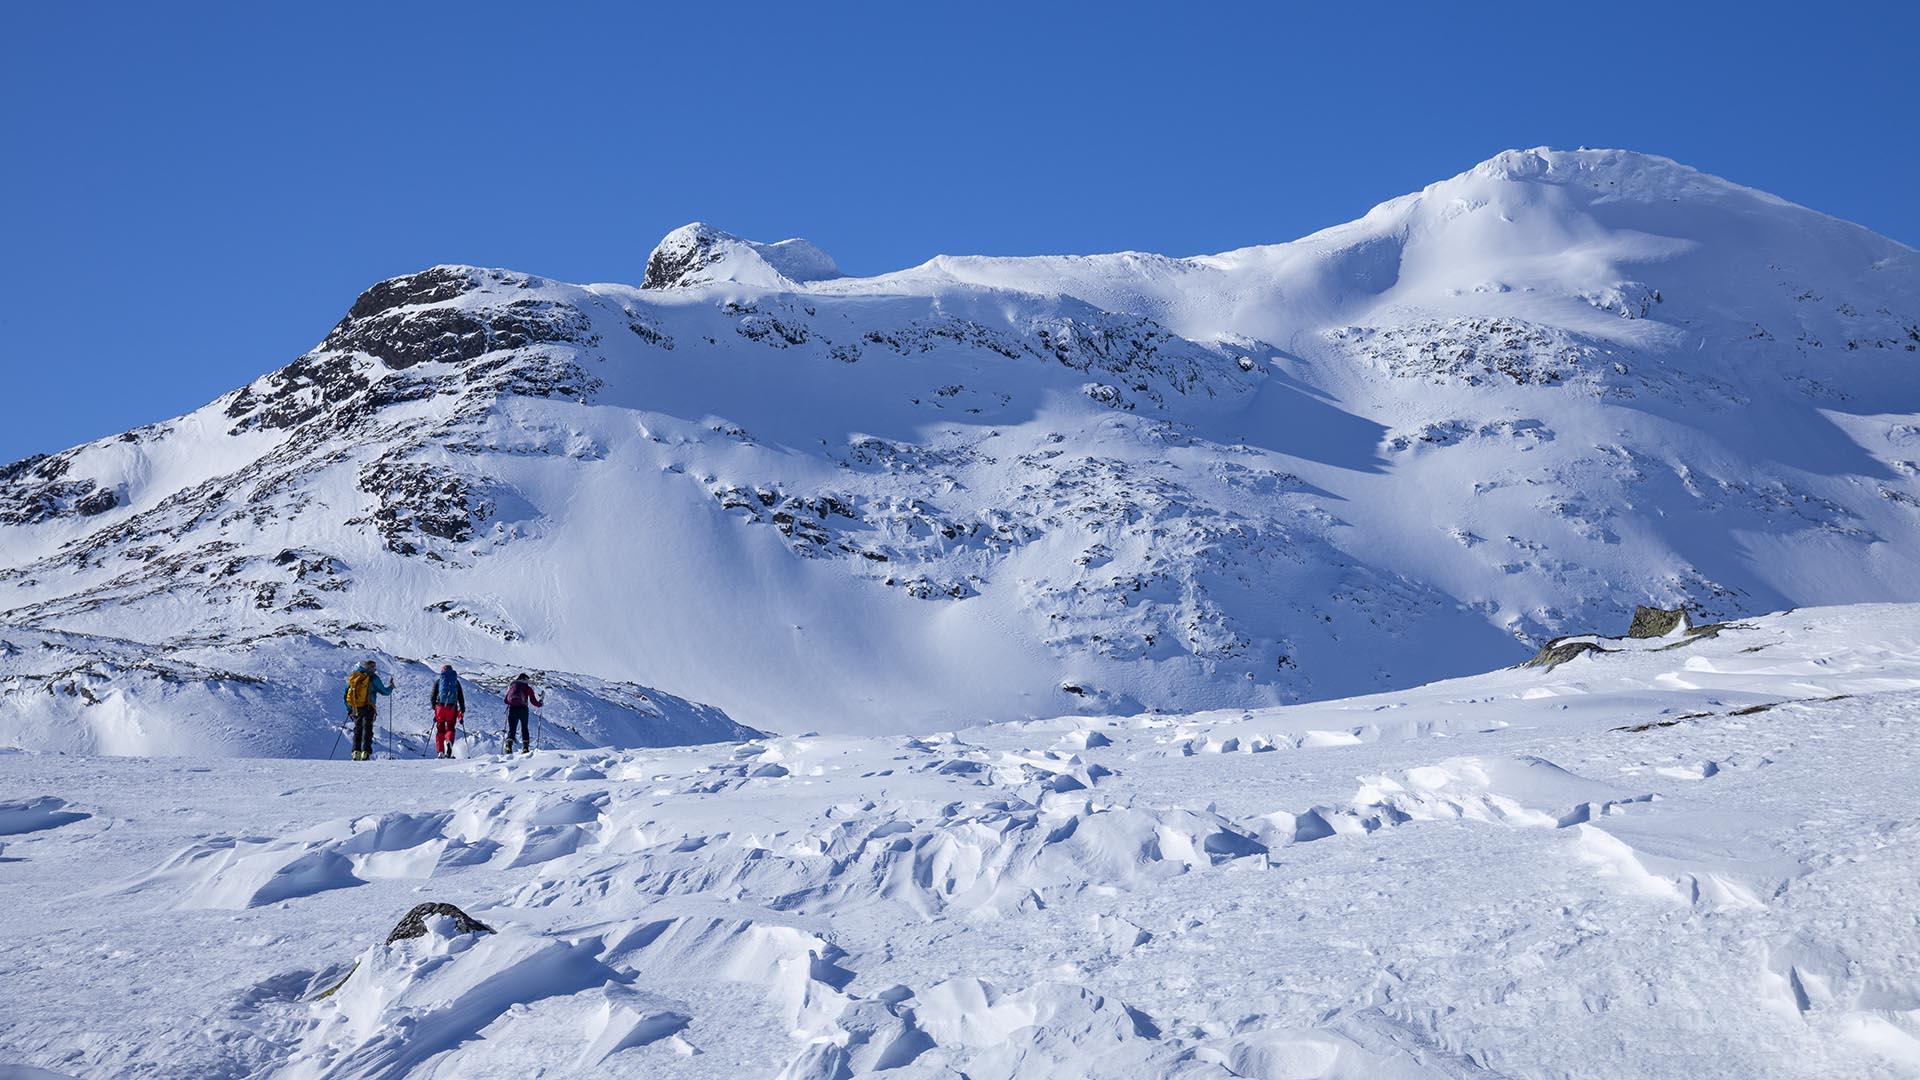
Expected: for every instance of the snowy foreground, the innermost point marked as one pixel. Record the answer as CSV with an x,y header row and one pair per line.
x,y
1692,856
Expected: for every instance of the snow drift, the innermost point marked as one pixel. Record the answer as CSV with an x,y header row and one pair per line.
x,y
1684,856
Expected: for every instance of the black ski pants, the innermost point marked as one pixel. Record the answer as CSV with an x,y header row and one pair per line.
x,y
362,728
517,719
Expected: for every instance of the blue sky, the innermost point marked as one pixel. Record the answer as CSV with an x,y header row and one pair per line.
x,y
194,193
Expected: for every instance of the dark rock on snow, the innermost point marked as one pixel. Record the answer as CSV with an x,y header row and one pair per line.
x,y
414,924
1559,651
1652,622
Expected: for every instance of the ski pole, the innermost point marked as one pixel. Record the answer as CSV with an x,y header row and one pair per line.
x,y
393,744
336,742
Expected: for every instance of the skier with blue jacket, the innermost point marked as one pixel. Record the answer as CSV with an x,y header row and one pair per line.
x,y
363,685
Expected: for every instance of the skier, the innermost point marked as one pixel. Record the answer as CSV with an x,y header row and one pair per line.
x,y
449,708
362,687
519,696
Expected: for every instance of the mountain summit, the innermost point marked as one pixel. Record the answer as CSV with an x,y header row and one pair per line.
x,y
1508,406
699,254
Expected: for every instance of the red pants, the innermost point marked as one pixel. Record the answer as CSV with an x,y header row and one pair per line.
x,y
444,717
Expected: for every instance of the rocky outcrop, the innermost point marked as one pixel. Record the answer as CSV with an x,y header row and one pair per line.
x,y
430,286
37,489
1653,622
414,923
417,500
442,335
1559,651
699,254
680,256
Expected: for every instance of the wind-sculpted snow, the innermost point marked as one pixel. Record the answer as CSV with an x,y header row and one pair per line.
x,y
1686,855
1495,411
32,815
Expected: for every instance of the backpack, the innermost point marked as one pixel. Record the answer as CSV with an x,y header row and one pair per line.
x,y
517,695
447,691
359,690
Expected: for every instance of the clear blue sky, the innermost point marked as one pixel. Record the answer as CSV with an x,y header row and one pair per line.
x,y
194,193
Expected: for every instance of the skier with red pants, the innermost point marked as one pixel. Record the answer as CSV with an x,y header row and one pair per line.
x,y
519,696
449,708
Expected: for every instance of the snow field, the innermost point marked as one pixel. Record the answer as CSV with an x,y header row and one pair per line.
x,y
1687,861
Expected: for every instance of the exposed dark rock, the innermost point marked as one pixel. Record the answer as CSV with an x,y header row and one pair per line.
x,y
769,330
649,331
452,335
414,923
1477,351
99,502
47,469
495,624
298,392
1653,724
1653,622
1708,630
1559,651
420,499
922,587
429,286
36,489
671,263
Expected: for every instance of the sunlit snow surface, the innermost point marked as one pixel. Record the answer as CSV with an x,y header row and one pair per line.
x,y
1692,857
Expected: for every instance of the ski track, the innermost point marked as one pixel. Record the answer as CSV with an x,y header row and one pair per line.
x,y
1582,872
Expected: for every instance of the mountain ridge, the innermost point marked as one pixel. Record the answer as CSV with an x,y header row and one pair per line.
x,y
1492,411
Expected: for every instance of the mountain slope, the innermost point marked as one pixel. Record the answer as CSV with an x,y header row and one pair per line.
x,y
1510,405
280,695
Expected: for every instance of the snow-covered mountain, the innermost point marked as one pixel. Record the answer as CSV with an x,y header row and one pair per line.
x,y
1511,405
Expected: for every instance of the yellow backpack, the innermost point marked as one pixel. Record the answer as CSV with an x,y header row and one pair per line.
x,y
359,690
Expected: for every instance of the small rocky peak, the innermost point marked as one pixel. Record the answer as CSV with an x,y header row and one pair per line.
x,y
699,254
